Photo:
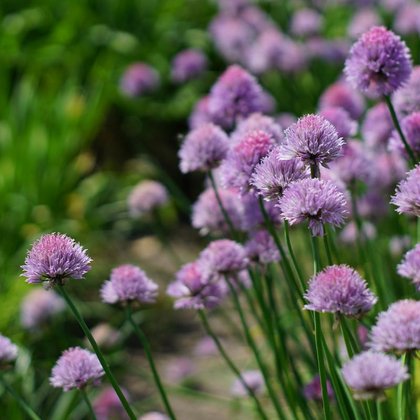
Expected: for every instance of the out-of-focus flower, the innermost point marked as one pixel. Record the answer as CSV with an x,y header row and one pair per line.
x,y
145,197
187,65
285,119
386,169
253,218
200,113
407,195
105,335
205,347
107,405
8,351
350,234
362,21
372,205
257,122
54,258
235,95
253,380
38,307
179,369
377,127
330,50
306,22
312,139
192,290
203,149
313,391
407,99
379,63
76,368
339,289
272,176
223,257
362,336
398,328
207,215
355,163
242,159
410,266
369,373
129,283
138,79
407,20
340,94
340,119
315,201
261,248
411,129
154,415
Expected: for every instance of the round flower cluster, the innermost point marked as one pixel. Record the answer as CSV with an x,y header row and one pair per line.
x,y
187,65
410,266
138,79
407,196
8,351
145,197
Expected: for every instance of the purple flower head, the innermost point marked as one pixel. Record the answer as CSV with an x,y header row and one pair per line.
x,y
261,248
407,19
242,159
145,197
203,149
253,218
398,328
341,120
187,65
410,266
407,99
38,307
179,369
200,113
306,22
235,95
313,391
340,94
8,351
411,128
223,257
257,122
315,201
312,139
55,257
108,406
379,63
407,195
76,368
386,169
370,373
129,283
377,127
253,380
349,235
192,291
362,21
355,163
139,78
154,415
207,215
272,176
339,289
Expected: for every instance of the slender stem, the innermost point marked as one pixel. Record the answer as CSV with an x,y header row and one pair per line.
x,y
221,206
400,132
379,412
318,338
327,249
401,395
23,404
253,346
89,405
230,363
350,341
98,351
146,345
292,255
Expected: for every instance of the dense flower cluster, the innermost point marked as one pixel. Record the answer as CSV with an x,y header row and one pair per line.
x,y
407,196
145,197
410,266
8,351
138,79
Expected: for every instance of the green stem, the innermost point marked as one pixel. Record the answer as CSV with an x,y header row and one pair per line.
x,y
221,206
88,404
230,363
400,132
146,345
292,255
401,395
23,404
328,249
253,346
350,341
379,412
98,351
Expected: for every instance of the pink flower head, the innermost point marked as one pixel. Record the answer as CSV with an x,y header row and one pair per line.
x,y
407,195
411,128
8,351
187,65
410,266
407,99
145,197
138,79
54,258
